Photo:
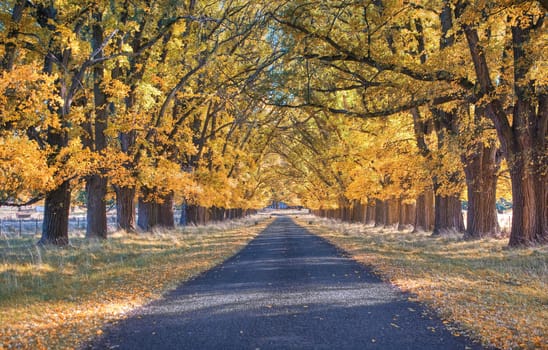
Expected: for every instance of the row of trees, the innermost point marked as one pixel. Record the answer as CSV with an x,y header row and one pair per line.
x,y
461,87
141,100
225,104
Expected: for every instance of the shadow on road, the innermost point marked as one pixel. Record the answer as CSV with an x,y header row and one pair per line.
x,y
286,289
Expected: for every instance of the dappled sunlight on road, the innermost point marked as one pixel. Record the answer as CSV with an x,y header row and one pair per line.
x,y
287,289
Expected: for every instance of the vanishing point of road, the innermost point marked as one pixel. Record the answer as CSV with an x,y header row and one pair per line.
x,y
288,289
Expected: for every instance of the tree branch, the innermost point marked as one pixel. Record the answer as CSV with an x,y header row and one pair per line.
x,y
347,55
380,113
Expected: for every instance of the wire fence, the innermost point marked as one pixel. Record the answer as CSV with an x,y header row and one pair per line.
x,y
33,226
13,227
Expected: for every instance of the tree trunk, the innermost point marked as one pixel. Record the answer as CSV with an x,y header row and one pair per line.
x,y
213,213
527,150
96,185
448,215
523,138
147,217
183,220
392,208
56,216
402,219
192,214
379,213
370,213
125,208
219,214
10,48
202,215
529,204
481,182
386,213
96,189
166,215
345,211
357,211
407,216
410,216
424,213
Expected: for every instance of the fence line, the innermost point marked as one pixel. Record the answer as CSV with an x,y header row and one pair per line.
x,y
33,226
77,223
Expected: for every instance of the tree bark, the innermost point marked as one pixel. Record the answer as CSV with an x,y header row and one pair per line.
x,y
410,210
447,208
391,212
192,215
183,220
147,212
424,213
523,139
448,215
481,182
219,214
357,211
379,213
96,189
10,48
96,185
202,215
125,208
56,216
370,213
166,215
528,153
406,215
346,213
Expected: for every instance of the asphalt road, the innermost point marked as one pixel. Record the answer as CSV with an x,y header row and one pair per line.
x,y
288,289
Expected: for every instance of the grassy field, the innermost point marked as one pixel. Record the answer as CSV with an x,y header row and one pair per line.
x,y
57,298
481,288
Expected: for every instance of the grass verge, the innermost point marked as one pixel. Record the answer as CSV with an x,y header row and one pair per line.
x,y
58,298
479,288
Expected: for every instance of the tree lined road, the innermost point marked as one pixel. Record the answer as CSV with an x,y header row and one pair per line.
x,y
286,289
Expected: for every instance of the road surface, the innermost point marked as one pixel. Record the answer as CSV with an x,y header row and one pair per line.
x,y
288,289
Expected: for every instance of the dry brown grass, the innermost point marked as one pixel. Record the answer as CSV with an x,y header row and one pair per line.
x,y
482,288
57,298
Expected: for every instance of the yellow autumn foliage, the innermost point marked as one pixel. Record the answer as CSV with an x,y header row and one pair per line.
x,y
23,170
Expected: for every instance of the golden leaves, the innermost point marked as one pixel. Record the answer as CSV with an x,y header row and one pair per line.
x,y
26,98
165,176
148,96
23,169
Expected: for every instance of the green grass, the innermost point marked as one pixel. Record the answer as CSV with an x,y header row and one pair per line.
x,y
482,288
59,297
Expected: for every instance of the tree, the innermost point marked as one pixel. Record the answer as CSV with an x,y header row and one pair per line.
x,y
523,136
335,30
44,33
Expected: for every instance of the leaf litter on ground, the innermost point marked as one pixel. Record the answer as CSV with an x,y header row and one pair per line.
x,y
479,288
59,298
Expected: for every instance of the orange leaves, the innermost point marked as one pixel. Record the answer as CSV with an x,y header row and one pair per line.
x,y
116,90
